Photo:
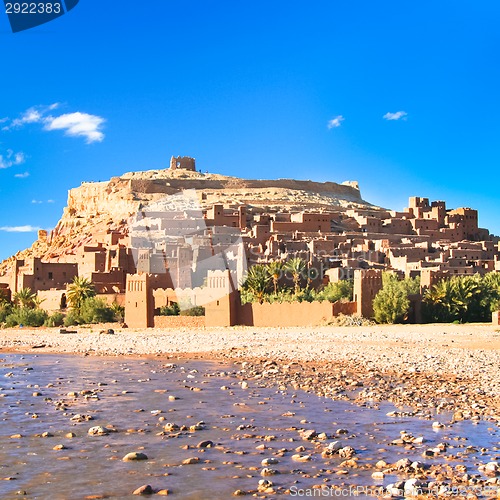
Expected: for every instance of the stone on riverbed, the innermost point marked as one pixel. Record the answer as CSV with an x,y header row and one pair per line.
x,y
267,471
129,457
144,490
347,452
269,461
308,434
98,431
205,444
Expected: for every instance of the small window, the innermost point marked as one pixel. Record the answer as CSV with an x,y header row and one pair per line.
x,y
51,276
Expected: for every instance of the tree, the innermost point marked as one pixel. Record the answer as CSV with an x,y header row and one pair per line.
x,y
461,298
391,304
79,290
338,290
296,267
26,299
257,282
275,269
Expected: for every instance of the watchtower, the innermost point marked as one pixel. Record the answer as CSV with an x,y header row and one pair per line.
x,y
183,163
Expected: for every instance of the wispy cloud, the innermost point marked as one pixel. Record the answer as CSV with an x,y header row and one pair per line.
x,y
10,158
20,229
22,176
335,122
39,202
78,125
35,114
398,115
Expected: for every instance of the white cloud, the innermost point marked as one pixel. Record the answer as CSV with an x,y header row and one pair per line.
x,y
335,122
78,125
20,229
11,159
22,176
74,124
398,115
50,201
34,114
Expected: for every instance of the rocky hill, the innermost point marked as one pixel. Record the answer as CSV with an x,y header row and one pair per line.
x,y
101,207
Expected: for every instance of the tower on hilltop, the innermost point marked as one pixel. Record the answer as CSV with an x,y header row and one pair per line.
x,y
183,163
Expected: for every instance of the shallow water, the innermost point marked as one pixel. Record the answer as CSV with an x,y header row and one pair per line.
x,y
136,394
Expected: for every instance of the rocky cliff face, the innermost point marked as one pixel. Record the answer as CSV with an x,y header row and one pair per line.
x,y
97,208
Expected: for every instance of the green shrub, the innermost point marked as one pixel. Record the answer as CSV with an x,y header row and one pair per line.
x,y
5,310
172,310
73,318
118,312
391,304
340,290
95,310
26,317
56,319
194,311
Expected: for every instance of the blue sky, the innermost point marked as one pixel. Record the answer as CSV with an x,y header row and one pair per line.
x,y
253,89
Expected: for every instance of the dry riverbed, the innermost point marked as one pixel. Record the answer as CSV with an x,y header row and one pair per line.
x,y
445,374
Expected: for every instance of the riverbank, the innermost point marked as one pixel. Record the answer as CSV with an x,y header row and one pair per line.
x,y
198,429
432,368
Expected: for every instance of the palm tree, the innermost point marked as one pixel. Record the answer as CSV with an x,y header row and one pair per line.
x,y
461,298
257,281
78,291
275,269
25,298
296,267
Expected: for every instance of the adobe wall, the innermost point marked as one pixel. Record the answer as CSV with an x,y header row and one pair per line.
x,y
495,316
111,298
51,299
345,308
285,314
179,322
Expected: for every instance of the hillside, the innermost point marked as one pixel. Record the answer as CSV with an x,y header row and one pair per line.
x,y
102,207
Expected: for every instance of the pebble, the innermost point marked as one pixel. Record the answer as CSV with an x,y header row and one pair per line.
x,y
98,431
129,457
144,490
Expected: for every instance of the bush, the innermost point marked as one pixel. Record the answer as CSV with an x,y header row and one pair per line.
x,y
391,304
73,318
5,310
340,290
26,317
172,310
56,319
194,311
95,310
118,312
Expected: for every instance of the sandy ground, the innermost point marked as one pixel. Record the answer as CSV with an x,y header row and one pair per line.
x,y
455,366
